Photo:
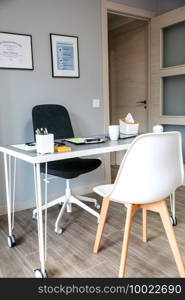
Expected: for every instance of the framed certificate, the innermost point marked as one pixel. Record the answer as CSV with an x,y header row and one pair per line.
x,y
64,56
16,51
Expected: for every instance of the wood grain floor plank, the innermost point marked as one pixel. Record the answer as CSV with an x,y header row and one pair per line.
x,y
71,254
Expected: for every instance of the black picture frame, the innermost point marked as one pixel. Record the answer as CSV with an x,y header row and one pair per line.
x,y
16,51
64,56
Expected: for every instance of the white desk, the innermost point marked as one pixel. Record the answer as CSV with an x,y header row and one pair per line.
x,y
35,159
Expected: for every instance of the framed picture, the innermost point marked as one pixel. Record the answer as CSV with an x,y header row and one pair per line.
x,y
64,56
16,51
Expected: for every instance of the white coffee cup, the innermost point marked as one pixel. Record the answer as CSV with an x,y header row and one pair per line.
x,y
114,132
158,128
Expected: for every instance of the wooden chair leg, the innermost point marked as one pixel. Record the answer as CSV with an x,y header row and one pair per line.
x,y
103,216
171,237
144,225
126,237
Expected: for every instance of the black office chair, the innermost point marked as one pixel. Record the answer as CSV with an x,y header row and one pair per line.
x,y
57,121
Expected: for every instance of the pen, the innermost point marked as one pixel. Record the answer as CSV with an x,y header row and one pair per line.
x,y
42,131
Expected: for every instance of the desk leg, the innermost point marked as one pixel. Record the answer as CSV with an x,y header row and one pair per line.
x,y
10,195
41,272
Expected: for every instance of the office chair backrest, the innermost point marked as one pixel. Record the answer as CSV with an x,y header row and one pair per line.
x,y
151,170
53,117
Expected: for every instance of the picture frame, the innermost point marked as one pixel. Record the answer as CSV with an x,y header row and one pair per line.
x,y
16,51
64,56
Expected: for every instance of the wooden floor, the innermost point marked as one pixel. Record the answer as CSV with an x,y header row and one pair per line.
x,y
70,254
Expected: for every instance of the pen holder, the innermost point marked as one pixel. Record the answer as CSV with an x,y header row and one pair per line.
x,y
45,143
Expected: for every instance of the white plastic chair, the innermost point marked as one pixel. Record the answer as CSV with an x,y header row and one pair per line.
x,y
156,129
151,170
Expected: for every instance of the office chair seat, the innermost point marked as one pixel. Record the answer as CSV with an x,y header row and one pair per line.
x,y
71,168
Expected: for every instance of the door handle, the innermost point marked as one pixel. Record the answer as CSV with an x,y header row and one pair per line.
x,y
142,102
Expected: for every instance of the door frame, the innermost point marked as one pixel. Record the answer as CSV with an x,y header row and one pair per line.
x,y
128,11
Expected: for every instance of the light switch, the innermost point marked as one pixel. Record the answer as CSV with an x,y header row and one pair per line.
x,y
96,103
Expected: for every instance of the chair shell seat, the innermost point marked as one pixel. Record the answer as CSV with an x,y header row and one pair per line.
x,y
103,190
150,171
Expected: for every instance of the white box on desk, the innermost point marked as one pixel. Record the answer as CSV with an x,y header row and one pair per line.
x,y
45,143
128,128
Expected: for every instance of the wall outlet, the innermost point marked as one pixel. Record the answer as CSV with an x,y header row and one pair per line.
x,y
96,103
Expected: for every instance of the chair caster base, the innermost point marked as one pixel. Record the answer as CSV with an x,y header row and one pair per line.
x,y
58,231
173,221
39,274
11,241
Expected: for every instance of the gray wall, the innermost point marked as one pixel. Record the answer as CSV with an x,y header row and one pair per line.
x,y
21,90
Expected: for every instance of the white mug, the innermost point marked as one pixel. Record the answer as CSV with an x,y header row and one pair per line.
x,y
114,132
158,128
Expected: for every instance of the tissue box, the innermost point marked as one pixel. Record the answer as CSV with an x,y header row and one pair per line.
x,y
128,128
45,143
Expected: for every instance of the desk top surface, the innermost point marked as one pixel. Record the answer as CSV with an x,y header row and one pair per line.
x,y
33,157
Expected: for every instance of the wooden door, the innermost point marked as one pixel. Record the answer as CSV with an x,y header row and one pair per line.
x,y
128,53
